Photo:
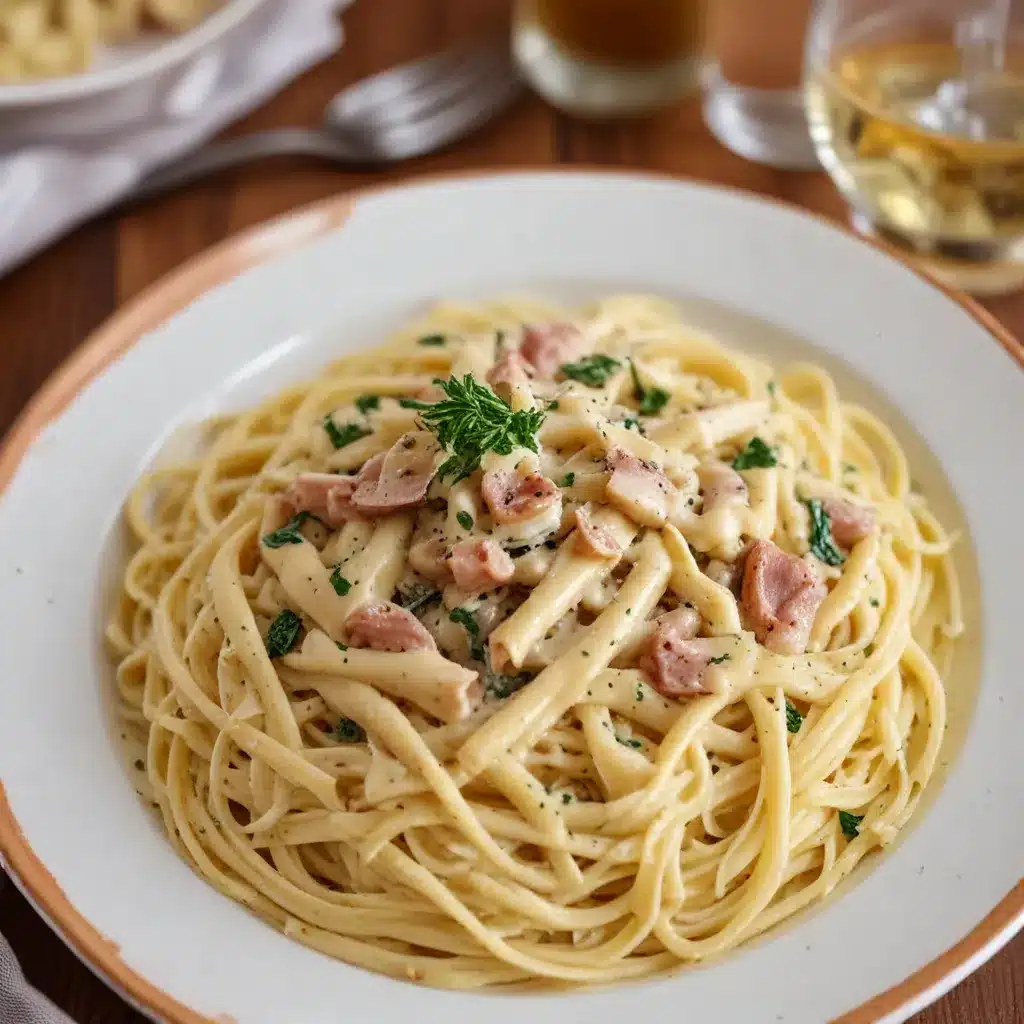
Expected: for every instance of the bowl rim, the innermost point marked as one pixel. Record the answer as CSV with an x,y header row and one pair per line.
x,y
175,50
260,244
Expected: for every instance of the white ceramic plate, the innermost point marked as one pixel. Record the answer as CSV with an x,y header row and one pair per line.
x,y
338,276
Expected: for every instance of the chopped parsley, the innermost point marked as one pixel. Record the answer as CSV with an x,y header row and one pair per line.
x,y
756,455
771,387
568,480
874,602
719,659
793,717
289,533
822,545
553,406
652,400
632,423
471,420
418,596
629,741
340,645
344,435
348,731
501,686
869,650
850,824
432,340
639,692
283,633
367,403
464,617
849,467
340,584
567,798
465,520
593,371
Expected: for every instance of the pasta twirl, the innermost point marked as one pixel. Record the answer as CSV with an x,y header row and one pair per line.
x,y
535,647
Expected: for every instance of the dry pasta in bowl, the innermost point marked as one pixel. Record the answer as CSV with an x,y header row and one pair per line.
x,y
536,646
52,38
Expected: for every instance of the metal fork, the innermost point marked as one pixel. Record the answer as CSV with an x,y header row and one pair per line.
x,y
395,115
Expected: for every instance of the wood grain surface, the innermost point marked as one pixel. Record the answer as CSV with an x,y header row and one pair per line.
x,y
48,306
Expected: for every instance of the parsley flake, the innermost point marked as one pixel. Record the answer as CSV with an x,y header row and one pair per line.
x,y
283,633
822,545
289,533
793,717
652,400
464,617
417,596
719,659
344,435
432,340
756,455
568,480
632,423
340,584
465,520
367,403
850,824
593,371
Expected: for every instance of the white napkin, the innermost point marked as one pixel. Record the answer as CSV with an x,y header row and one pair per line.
x,y
46,188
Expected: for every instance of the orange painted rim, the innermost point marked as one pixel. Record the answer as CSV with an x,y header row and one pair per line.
x,y
173,293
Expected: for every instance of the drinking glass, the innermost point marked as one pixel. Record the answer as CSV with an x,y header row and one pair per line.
x,y
599,58
916,108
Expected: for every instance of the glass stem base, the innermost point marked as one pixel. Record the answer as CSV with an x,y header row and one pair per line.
x,y
980,268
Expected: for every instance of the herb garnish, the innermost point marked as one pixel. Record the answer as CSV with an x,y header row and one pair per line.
x,y
418,596
874,602
850,824
432,340
343,436
770,387
283,633
289,533
632,423
652,400
500,686
793,717
348,731
340,645
472,420
465,520
593,370
568,480
756,455
366,403
567,798
822,545
340,584
464,617
629,741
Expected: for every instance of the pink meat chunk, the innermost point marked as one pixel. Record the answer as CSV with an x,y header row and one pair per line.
x,y
383,626
480,565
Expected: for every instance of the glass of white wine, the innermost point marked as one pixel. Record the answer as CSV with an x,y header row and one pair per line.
x,y
916,108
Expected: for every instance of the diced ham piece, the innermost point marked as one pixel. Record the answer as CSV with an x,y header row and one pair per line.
x,y
510,369
593,539
780,597
850,523
721,484
383,626
403,476
676,663
547,346
324,495
480,565
638,489
512,498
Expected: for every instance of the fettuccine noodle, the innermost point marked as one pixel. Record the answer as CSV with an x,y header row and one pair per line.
x,y
630,692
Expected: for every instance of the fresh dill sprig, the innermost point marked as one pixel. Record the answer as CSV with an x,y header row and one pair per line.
x,y
472,420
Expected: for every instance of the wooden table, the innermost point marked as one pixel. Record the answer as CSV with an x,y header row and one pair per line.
x,y
50,305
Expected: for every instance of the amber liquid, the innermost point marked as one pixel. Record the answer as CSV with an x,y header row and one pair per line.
x,y
623,33
925,182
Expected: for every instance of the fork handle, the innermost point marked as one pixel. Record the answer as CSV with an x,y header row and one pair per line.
x,y
221,156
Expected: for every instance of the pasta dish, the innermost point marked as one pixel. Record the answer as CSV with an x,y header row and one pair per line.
x,y
49,38
535,647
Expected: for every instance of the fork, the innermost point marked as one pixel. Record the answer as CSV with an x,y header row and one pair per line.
x,y
397,114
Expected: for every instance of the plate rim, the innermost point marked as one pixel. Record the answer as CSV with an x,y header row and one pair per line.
x,y
264,242
175,50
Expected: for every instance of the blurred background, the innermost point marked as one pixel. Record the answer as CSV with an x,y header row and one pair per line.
x,y
137,133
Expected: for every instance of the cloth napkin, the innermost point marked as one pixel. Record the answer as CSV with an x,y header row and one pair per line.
x,y
49,186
